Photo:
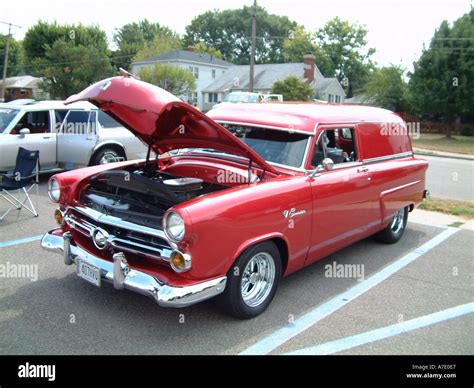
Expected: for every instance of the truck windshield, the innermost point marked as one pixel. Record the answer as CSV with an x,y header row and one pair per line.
x,y
274,146
6,117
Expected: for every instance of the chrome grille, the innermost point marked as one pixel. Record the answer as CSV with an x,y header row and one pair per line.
x,y
85,221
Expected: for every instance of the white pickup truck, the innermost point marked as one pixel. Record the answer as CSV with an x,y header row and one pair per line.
x,y
67,136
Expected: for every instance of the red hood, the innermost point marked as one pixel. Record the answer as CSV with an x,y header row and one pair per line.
x,y
161,119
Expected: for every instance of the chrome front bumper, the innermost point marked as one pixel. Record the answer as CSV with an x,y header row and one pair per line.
x,y
123,277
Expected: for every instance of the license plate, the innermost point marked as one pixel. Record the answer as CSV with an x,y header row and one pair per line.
x,y
89,272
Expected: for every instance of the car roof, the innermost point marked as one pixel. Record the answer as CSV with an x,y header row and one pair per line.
x,y
47,104
301,116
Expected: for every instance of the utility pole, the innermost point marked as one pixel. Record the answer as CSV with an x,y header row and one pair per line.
x,y
252,50
5,63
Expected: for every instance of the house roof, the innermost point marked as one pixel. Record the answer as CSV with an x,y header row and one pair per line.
x,y
186,56
299,116
21,82
264,77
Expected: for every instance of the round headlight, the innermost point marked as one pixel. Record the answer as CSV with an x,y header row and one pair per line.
x,y
174,226
54,190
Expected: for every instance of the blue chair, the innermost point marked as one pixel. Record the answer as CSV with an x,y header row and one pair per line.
x,y
22,179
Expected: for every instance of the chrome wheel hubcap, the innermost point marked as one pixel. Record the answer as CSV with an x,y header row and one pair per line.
x,y
257,279
109,157
397,222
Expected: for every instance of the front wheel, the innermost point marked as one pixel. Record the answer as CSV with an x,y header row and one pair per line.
x,y
252,281
394,231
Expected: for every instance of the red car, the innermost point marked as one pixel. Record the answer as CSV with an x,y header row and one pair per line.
x,y
235,200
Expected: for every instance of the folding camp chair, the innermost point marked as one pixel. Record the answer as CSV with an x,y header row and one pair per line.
x,y
23,179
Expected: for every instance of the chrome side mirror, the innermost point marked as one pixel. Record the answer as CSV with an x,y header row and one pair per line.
x,y
24,131
328,164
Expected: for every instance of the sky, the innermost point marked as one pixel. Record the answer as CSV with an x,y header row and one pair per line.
x,y
397,28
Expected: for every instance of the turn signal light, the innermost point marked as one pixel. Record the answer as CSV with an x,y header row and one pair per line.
x,y
180,262
58,216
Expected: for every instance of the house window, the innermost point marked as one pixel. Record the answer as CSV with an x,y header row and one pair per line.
x,y
330,98
213,73
338,99
213,97
194,70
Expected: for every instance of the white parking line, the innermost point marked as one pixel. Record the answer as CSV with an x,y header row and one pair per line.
x,y
385,332
278,338
20,241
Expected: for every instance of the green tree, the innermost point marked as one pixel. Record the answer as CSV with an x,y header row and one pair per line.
x,y
15,57
68,57
345,54
293,89
134,37
159,45
174,79
299,43
202,48
387,88
229,31
43,35
442,81
68,68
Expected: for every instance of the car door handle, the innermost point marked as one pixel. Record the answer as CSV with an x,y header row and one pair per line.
x,y
46,137
363,169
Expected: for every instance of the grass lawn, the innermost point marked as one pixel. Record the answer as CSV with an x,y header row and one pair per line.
x,y
448,206
439,142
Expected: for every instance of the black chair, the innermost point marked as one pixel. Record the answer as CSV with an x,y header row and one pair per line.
x,y
23,176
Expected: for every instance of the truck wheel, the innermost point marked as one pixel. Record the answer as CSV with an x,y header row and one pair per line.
x,y
252,281
394,231
105,156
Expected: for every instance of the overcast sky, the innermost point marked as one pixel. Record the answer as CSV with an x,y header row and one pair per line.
x,y
397,28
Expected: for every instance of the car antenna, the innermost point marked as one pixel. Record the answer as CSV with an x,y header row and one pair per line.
x,y
125,73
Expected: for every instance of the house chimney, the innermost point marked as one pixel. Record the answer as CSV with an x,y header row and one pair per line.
x,y
309,65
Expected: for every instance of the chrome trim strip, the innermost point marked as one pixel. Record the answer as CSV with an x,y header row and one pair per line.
x,y
143,247
122,276
388,157
118,222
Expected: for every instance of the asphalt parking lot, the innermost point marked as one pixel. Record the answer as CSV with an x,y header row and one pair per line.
x,y
415,297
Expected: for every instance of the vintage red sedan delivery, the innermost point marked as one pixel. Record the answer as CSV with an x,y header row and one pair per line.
x,y
235,200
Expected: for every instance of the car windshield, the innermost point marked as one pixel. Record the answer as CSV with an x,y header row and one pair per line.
x,y
6,117
233,97
274,146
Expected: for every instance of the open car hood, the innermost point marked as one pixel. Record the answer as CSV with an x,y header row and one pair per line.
x,y
162,120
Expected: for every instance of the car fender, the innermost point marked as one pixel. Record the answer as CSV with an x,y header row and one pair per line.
x,y
258,239
104,143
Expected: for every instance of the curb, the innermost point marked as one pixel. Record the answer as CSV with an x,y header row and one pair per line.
x,y
424,152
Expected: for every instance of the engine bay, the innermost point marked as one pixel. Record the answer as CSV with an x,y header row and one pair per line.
x,y
140,196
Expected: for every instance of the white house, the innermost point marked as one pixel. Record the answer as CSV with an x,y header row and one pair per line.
x,y
205,68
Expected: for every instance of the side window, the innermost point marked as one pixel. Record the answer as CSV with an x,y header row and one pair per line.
x,y
337,144
106,121
59,116
36,122
79,122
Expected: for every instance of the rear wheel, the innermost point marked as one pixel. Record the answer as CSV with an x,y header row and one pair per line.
x,y
106,156
252,281
394,231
